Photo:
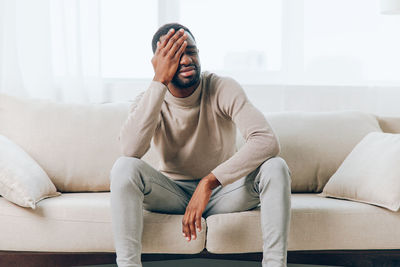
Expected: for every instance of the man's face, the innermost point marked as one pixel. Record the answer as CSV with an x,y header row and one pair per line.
x,y
189,69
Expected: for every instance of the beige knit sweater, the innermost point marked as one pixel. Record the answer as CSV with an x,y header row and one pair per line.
x,y
196,135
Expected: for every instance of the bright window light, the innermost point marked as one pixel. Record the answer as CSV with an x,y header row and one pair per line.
x,y
346,44
236,37
258,41
126,30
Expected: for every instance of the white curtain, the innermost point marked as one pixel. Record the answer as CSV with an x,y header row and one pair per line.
x,y
51,49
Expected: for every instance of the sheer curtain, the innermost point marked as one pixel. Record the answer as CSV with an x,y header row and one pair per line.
x,y
51,49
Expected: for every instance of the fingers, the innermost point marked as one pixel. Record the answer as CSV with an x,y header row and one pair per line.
x,y
188,226
167,55
198,223
164,39
180,50
185,228
161,43
175,42
177,45
192,228
171,44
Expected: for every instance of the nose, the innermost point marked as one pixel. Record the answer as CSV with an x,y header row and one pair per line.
x,y
185,60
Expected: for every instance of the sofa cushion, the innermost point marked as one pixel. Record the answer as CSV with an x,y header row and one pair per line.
x,y
76,144
389,124
81,222
22,180
315,144
370,173
316,224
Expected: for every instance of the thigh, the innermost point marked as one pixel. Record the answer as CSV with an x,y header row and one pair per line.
x,y
162,194
240,195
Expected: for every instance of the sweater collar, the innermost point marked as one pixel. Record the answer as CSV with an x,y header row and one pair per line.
x,y
189,101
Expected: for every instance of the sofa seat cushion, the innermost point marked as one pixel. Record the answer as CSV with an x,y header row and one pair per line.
x,y
317,224
81,222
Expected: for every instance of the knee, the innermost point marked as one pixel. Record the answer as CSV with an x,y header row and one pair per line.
x,y
125,170
276,171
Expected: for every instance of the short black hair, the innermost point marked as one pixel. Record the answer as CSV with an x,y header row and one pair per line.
x,y
163,30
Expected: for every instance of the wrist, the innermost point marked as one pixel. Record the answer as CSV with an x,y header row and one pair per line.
x,y
161,80
211,181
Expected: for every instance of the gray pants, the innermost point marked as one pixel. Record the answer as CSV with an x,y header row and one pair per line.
x,y
136,185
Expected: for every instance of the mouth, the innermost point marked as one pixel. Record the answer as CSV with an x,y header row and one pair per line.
x,y
187,71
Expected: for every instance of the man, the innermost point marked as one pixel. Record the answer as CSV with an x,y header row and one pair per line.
x,y
192,118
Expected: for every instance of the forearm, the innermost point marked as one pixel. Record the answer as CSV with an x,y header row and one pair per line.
x,y
139,128
247,159
211,181
261,144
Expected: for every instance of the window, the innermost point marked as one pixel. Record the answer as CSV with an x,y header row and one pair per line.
x,y
258,41
237,38
350,42
126,30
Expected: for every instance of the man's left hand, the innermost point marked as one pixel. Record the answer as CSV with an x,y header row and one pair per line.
x,y
196,206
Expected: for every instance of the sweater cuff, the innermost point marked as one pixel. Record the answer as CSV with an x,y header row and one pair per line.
x,y
220,177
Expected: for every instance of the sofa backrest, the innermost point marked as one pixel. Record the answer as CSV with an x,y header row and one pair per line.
x,y
389,124
314,144
77,144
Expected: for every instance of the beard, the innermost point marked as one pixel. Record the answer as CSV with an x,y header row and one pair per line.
x,y
186,82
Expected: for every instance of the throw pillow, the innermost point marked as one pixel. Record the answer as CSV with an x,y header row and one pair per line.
x,y
370,173
22,180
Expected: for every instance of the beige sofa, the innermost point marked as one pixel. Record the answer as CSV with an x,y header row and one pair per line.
x,y
76,144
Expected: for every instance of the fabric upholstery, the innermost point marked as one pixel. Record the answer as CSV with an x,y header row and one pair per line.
x,y
317,224
389,124
315,144
81,222
370,173
75,144
22,180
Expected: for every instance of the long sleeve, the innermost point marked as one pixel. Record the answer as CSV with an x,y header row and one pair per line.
x,y
136,133
261,142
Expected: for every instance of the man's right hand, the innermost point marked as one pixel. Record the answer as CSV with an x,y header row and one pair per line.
x,y
168,54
